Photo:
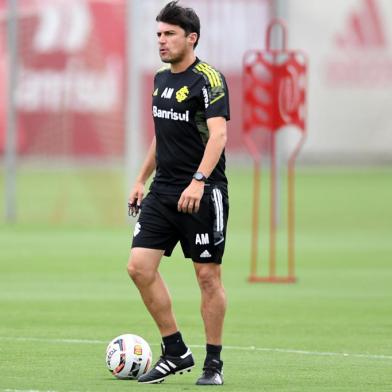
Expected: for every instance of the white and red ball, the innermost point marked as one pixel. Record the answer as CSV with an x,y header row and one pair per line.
x,y
128,356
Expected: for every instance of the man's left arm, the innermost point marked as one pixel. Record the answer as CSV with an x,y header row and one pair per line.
x,y
191,196
215,145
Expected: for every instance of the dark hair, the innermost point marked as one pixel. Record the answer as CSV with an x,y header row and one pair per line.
x,y
176,15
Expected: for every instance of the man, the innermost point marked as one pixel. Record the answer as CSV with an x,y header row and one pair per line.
x,y
188,200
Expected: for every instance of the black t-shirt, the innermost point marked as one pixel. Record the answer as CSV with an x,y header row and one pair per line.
x,y
182,103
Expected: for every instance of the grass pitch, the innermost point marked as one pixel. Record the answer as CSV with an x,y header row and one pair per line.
x,y
64,292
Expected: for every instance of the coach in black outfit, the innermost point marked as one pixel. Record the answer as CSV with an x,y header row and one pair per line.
x,y
188,199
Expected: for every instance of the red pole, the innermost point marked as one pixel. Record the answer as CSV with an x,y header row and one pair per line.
x,y
273,205
255,219
290,221
291,210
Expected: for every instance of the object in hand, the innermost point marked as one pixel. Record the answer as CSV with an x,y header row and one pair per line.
x,y
133,209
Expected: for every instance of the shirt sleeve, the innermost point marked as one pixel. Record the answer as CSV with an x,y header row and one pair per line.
x,y
215,96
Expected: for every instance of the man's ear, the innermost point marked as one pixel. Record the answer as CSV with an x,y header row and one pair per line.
x,y
192,37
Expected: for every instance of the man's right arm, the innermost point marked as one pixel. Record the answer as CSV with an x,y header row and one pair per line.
x,y
148,167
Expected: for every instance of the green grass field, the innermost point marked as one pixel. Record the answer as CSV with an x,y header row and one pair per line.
x,y
64,291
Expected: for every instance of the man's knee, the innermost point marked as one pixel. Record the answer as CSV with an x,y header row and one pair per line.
x,y
143,265
209,277
133,269
138,271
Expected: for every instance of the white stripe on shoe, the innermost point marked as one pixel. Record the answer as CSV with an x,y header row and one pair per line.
x,y
188,352
163,371
164,366
171,364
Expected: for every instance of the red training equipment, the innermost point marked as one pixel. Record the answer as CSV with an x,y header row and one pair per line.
x,y
274,92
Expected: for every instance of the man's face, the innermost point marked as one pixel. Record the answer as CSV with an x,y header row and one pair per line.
x,y
173,44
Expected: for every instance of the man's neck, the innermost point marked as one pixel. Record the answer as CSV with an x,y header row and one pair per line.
x,y
183,64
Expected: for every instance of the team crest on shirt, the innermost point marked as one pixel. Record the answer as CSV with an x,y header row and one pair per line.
x,y
182,94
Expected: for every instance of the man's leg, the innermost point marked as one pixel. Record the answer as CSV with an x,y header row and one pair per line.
x,y
213,300
213,308
143,269
176,357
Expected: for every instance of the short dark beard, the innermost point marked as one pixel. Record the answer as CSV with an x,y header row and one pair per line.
x,y
175,60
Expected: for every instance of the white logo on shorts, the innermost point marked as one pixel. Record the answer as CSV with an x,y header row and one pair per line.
x,y
205,254
202,239
138,227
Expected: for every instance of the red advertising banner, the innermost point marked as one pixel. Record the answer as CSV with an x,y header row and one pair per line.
x,y
71,83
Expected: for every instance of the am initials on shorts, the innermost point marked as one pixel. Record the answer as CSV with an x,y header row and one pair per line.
x,y
202,239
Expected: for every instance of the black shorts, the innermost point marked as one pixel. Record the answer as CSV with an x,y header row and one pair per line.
x,y
202,235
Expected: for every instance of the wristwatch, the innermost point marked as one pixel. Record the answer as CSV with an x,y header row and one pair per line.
x,y
199,176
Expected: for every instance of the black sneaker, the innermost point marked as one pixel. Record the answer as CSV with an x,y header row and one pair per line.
x,y
212,373
168,365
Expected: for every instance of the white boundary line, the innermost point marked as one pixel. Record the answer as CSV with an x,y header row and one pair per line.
x,y
240,348
24,390
34,390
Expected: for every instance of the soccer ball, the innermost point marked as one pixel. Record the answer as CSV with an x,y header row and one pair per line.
x,y
128,357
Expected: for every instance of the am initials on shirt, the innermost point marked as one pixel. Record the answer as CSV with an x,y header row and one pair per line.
x,y
167,93
202,239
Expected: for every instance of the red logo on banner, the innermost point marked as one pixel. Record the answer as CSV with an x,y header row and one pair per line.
x,y
364,28
362,59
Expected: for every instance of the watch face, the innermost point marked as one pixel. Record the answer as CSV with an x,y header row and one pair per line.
x,y
199,176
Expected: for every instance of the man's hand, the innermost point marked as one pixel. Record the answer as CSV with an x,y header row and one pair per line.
x,y
135,198
190,198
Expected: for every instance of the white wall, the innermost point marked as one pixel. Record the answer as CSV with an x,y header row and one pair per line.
x,y
350,77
